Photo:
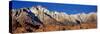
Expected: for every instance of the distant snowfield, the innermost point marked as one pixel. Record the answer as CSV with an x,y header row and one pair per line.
x,y
82,17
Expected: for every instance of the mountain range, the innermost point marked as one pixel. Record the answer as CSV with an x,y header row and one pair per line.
x,y
38,18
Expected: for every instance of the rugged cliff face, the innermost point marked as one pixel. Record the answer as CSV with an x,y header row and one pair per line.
x,y
40,19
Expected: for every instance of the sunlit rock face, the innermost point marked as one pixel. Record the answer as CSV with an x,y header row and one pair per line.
x,y
38,18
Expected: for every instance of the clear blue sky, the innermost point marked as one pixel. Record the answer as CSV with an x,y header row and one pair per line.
x,y
67,8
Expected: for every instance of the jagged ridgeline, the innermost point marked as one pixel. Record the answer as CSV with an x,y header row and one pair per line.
x,y
40,19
